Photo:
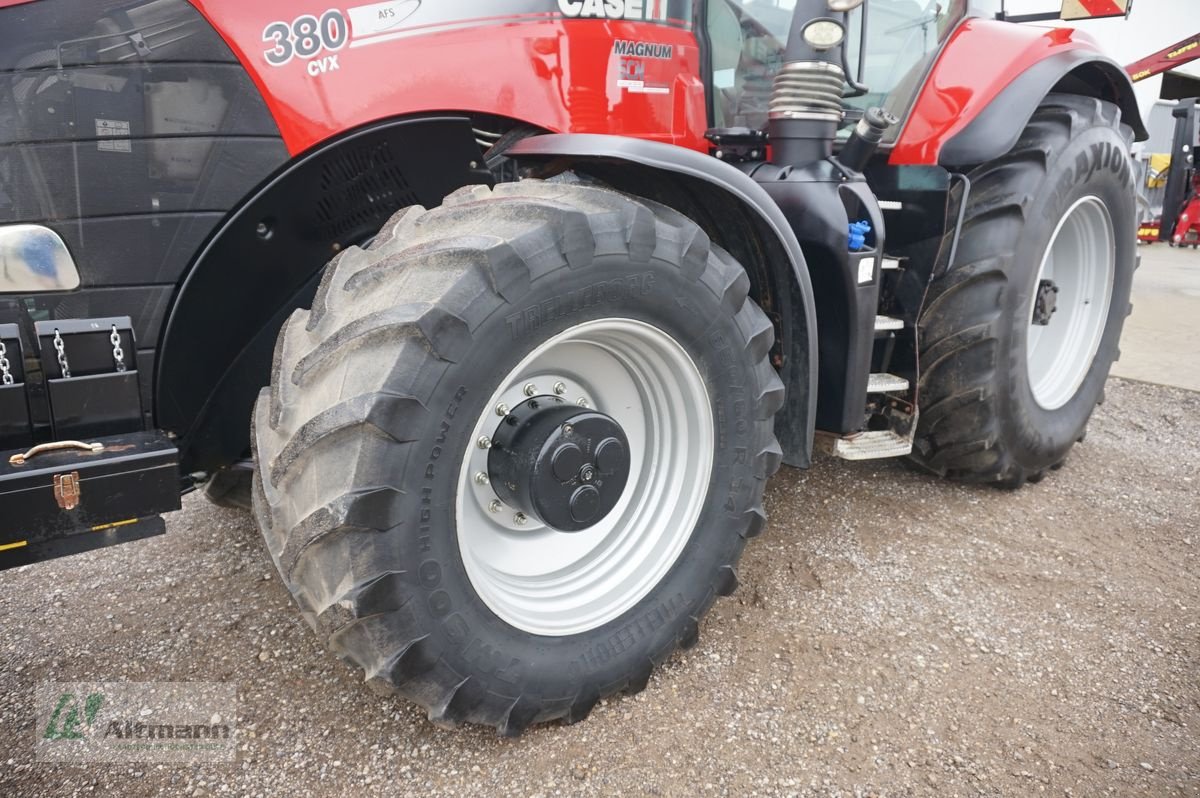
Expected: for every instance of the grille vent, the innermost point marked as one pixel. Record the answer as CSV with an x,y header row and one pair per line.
x,y
359,190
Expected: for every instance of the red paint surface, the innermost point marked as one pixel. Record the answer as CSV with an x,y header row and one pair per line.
x,y
1177,54
1101,8
544,70
980,60
561,74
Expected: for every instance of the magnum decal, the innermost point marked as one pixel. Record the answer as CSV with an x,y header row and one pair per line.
x,y
643,49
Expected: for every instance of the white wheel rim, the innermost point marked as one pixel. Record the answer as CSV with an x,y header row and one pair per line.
x,y
555,583
1081,261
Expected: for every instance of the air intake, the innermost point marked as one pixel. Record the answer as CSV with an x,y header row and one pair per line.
x,y
808,90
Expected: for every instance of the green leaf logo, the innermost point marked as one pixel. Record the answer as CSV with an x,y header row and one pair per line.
x,y
68,726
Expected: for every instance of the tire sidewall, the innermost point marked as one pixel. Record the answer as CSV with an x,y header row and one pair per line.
x,y
1094,163
465,633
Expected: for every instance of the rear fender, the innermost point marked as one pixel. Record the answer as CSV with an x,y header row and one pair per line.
x,y
969,111
739,216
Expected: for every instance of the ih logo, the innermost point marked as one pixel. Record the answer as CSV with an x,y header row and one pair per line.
x,y
71,721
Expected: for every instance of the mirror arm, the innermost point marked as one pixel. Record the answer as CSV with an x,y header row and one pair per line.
x,y
856,88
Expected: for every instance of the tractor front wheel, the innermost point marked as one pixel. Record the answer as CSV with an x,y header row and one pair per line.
x,y
1018,334
514,451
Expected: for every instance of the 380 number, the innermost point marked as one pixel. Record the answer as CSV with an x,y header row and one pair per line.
x,y
305,36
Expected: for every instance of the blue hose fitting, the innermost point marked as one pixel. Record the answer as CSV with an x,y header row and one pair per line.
x,y
858,235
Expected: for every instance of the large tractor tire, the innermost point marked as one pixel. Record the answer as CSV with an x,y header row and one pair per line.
x,y
1018,334
514,451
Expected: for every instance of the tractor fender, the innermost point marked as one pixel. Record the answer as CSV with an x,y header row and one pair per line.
x,y
971,111
996,130
714,194
266,259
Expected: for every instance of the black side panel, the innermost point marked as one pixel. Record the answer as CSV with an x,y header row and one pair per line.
x,y
266,260
138,249
128,127
172,30
14,405
146,177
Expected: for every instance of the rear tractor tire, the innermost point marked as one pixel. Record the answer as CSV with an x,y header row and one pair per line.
x,y
1017,336
513,452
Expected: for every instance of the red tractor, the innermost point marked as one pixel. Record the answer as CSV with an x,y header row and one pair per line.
x,y
502,314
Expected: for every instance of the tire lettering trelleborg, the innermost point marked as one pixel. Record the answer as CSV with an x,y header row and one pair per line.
x,y
430,572
626,637
529,320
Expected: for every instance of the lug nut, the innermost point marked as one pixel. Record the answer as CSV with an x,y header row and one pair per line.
x,y
495,506
530,389
560,388
520,519
502,410
481,478
567,429
582,402
485,442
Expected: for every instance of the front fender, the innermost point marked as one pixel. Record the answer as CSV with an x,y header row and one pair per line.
x,y
700,185
973,109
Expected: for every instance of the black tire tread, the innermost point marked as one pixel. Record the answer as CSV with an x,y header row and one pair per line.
x,y
958,431
406,302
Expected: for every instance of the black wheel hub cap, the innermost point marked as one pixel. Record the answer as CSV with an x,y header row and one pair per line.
x,y
1045,304
562,464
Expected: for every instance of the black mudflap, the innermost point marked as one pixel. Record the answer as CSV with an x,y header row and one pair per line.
x,y
62,499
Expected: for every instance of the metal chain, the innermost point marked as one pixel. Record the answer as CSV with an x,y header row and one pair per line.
x,y
6,377
59,347
118,352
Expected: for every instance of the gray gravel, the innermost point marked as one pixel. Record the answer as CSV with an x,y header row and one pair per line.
x,y
894,635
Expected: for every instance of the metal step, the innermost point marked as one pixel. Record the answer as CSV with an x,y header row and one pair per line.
x,y
870,446
886,383
885,323
890,264
890,205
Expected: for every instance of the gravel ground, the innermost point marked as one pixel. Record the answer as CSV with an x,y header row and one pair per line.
x,y
894,635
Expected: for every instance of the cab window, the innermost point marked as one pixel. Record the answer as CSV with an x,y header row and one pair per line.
x,y
748,38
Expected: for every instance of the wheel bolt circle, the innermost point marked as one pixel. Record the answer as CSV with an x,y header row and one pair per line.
x,y
481,478
496,506
502,409
560,388
520,519
485,442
